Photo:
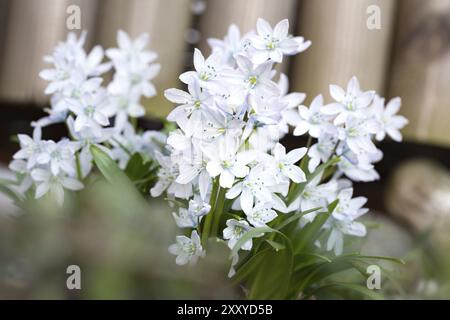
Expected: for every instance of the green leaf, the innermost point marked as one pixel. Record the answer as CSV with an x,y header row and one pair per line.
x,y
297,188
317,272
309,233
108,167
136,167
8,182
276,245
252,233
391,259
247,269
304,259
352,286
114,175
294,217
271,278
10,194
267,276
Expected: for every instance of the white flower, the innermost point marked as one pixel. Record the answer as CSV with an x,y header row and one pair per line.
x,y
348,207
208,71
24,175
357,135
59,156
191,102
359,167
390,123
226,162
187,249
350,103
167,175
191,168
253,79
91,112
185,219
231,45
285,163
191,217
70,60
312,120
322,150
255,185
124,104
261,214
137,77
30,148
265,111
130,52
180,139
55,184
219,124
338,229
134,69
234,231
273,43
314,195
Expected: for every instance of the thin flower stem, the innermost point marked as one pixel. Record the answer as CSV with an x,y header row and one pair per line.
x,y
134,123
209,216
77,161
218,211
308,145
122,146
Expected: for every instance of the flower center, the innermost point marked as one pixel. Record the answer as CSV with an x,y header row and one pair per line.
x,y
253,80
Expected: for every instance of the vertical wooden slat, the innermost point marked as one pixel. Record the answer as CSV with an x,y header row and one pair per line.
x,y
4,6
33,29
166,21
421,69
220,14
342,45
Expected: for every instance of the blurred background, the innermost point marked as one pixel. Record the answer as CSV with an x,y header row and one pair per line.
x,y
122,253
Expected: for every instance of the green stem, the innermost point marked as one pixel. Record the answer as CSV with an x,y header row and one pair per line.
x,y
218,211
77,161
209,216
134,123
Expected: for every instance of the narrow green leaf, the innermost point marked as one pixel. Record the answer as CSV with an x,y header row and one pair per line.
x,y
352,286
252,233
10,194
294,217
137,167
114,175
276,245
247,269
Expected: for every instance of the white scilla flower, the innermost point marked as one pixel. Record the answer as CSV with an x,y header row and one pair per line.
x,y
187,249
234,231
274,43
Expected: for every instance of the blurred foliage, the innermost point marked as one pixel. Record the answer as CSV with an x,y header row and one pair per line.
x,y
120,246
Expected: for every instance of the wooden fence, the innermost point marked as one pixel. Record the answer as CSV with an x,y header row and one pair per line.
x,y
408,56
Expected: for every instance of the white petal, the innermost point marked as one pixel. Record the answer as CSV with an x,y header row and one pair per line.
x,y
263,27
234,191
247,200
177,96
214,168
71,184
295,155
226,179
41,190
294,173
337,93
281,29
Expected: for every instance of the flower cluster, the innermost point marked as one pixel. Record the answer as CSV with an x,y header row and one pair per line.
x,y
94,114
224,166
